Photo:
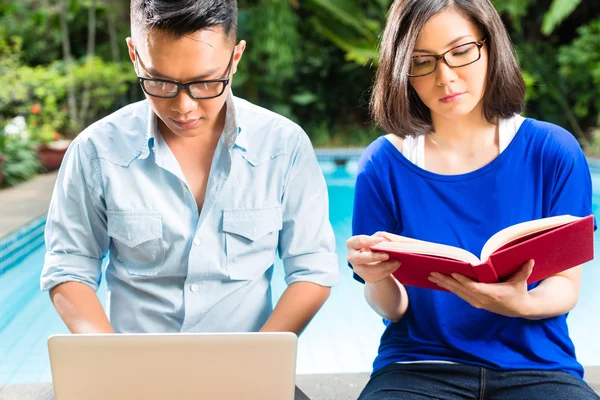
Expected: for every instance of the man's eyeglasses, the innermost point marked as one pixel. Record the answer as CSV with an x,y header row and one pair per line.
x,y
200,90
456,57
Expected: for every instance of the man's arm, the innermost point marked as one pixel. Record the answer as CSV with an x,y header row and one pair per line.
x,y
306,243
76,242
80,308
297,306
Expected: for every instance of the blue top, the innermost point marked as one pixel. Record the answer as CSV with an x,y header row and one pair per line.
x,y
542,173
121,192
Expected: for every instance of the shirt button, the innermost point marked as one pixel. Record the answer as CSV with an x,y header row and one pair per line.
x,y
196,242
194,287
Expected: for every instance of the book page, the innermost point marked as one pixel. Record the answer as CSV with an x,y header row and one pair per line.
x,y
517,231
408,245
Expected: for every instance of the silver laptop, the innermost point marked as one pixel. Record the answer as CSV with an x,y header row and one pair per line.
x,y
178,366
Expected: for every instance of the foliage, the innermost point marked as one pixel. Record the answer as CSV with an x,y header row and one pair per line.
x,y
19,18
17,152
37,23
558,12
313,61
45,87
558,67
351,26
271,27
21,161
580,67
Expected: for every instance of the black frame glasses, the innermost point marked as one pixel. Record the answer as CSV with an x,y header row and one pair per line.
x,y
184,86
438,57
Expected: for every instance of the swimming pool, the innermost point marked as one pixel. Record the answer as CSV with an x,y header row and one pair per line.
x,y
343,337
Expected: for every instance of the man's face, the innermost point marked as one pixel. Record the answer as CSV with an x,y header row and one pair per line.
x,y
201,56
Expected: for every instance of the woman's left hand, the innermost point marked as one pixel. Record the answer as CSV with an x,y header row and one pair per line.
x,y
509,298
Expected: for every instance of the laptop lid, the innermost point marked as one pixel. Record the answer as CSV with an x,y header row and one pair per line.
x,y
174,366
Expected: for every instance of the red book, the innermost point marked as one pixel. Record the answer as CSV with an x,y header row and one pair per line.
x,y
555,243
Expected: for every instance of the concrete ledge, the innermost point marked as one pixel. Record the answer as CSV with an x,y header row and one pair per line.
x,y
40,391
316,387
332,386
25,202
592,377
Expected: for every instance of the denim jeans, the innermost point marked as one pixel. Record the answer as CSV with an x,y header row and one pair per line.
x,y
427,381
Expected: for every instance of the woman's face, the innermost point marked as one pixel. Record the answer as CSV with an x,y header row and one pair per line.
x,y
450,92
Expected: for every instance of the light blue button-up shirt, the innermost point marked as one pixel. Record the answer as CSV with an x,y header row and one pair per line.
x,y
121,193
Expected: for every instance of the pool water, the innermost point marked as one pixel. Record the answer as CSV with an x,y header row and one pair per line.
x,y
343,337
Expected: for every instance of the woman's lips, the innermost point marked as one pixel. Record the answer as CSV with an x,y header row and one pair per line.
x,y
452,98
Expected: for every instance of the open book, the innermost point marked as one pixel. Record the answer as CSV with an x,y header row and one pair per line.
x,y
554,243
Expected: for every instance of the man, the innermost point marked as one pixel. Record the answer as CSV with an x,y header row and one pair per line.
x,y
191,193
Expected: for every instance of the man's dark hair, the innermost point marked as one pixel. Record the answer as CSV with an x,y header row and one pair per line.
x,y
183,17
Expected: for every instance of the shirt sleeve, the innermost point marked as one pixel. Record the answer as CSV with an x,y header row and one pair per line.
x,y
371,206
76,235
306,241
571,188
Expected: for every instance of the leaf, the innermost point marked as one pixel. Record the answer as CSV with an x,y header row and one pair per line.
x,y
350,14
558,12
360,50
304,98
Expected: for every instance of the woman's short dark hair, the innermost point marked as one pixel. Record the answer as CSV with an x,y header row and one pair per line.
x,y
183,17
395,105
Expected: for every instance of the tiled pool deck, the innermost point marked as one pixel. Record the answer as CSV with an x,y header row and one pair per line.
x,y
26,203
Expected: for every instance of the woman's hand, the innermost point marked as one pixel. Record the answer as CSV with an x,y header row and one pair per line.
x,y
384,294
510,298
371,266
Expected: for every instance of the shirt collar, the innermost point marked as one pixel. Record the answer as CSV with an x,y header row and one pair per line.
x,y
151,132
232,131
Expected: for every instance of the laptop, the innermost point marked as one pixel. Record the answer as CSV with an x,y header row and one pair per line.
x,y
178,366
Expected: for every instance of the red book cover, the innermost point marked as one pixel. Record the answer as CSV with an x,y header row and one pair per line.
x,y
553,250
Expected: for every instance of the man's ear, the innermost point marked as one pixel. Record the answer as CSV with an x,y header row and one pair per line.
x,y
131,49
238,53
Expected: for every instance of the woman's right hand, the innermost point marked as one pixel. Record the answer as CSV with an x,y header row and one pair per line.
x,y
371,266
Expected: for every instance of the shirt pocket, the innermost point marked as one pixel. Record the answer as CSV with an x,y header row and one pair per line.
x,y
138,240
251,237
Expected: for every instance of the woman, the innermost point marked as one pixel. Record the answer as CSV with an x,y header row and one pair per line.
x,y
459,164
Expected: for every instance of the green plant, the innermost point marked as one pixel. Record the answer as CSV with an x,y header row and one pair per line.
x,y
45,87
580,67
352,25
558,12
270,64
20,159
22,18
2,146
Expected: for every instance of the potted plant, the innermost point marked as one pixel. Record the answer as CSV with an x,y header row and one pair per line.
x,y
2,156
52,153
2,161
17,151
51,145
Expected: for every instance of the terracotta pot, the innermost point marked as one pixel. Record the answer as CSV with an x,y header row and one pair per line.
x,y
52,154
2,161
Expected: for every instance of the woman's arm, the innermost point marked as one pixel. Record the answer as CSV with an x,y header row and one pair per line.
x,y
388,298
555,295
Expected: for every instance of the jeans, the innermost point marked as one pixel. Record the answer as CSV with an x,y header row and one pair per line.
x,y
427,381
